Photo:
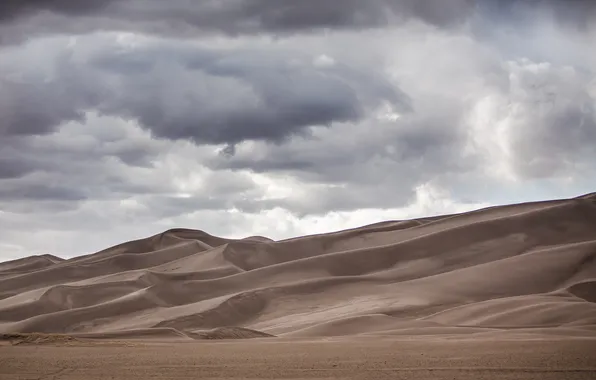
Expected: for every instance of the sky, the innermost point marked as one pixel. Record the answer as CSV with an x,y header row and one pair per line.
x,y
120,119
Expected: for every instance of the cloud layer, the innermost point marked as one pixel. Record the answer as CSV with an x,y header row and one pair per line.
x,y
179,90
229,17
123,118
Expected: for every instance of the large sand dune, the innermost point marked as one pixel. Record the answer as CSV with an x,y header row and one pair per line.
x,y
527,268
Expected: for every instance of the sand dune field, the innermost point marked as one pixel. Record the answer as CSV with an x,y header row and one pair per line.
x,y
522,272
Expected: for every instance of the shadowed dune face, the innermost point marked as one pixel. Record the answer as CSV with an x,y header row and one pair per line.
x,y
584,290
527,267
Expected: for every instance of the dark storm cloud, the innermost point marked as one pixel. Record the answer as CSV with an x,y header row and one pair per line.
x,y
249,16
540,120
12,9
174,90
179,91
13,168
376,164
37,108
107,160
17,191
231,16
427,140
574,13
281,17
109,136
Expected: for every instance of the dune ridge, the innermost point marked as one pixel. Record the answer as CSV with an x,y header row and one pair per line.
x,y
527,267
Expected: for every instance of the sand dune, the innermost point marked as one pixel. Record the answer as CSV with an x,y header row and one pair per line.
x,y
27,264
527,268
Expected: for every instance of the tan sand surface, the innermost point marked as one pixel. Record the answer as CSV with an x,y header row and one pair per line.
x,y
350,358
484,284
528,266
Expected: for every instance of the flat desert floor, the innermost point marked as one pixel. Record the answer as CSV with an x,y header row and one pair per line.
x,y
428,358
505,292
512,358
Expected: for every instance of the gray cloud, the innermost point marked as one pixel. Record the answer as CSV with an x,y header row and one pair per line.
x,y
26,18
570,13
375,164
36,107
106,161
109,136
553,123
11,167
75,164
179,91
528,120
231,17
235,16
11,9
67,153
22,191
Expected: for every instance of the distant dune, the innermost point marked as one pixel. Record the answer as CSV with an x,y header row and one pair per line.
x,y
525,268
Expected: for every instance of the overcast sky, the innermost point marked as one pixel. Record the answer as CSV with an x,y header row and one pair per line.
x,y
120,119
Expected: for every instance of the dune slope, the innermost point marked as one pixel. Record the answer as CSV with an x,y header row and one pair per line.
x,y
525,267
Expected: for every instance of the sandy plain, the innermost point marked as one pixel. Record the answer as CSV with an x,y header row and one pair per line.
x,y
421,358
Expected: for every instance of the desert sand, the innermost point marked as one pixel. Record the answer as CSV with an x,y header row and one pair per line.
x,y
502,292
